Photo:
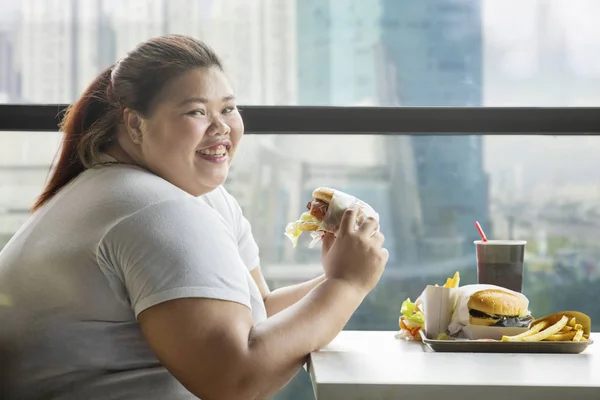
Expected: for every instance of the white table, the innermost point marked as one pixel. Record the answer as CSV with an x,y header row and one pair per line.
x,y
375,366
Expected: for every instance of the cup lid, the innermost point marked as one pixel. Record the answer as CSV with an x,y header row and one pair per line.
x,y
502,242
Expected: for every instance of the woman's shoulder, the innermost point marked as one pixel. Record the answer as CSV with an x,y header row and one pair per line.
x,y
122,184
106,195
224,203
220,195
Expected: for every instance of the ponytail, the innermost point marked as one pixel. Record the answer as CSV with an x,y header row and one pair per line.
x,y
88,126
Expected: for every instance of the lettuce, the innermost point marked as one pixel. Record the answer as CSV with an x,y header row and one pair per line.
x,y
292,230
412,313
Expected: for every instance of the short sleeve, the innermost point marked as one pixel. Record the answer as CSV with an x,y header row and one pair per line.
x,y
246,243
247,246
175,249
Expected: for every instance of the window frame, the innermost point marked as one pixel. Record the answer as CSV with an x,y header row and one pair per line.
x,y
290,120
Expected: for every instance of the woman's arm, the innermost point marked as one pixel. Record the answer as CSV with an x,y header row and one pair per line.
x,y
214,349
278,299
282,298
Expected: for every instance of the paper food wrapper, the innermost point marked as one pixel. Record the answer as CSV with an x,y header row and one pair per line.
x,y
438,304
340,202
445,311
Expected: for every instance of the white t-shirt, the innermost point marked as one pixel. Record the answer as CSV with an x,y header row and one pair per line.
x,y
109,245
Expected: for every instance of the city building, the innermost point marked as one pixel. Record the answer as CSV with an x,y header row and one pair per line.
x,y
9,72
47,50
354,53
436,49
337,52
342,62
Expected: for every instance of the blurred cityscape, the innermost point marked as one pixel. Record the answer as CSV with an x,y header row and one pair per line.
x,y
428,189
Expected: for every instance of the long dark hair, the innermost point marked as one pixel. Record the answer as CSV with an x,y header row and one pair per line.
x,y
89,125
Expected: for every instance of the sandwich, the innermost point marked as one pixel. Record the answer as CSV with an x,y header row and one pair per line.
x,y
499,307
490,305
324,214
312,220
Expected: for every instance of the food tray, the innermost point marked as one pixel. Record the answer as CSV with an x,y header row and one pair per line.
x,y
481,346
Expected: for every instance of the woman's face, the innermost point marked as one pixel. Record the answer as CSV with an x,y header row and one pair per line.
x,y
193,131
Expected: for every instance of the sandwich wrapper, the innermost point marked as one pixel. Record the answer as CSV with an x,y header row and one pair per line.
x,y
445,311
340,202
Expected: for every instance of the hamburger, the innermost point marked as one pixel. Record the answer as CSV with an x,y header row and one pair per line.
x,y
324,214
312,220
499,307
490,305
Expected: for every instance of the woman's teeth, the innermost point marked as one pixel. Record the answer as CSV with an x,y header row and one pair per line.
x,y
215,151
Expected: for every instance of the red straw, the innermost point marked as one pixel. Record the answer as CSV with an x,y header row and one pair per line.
x,y
480,231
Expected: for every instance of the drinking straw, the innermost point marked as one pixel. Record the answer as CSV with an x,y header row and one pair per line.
x,y
480,231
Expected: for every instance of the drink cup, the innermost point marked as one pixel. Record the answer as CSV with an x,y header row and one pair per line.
x,y
500,263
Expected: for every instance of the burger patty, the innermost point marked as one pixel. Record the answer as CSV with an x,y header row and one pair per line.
x,y
504,321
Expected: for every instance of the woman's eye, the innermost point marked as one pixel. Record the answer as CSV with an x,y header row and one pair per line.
x,y
228,110
196,112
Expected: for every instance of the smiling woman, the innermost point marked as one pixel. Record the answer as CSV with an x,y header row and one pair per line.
x,y
188,140
156,114
137,274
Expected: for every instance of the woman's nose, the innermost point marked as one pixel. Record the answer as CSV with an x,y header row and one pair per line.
x,y
219,128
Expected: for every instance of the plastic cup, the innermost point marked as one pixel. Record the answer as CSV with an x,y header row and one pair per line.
x,y
500,263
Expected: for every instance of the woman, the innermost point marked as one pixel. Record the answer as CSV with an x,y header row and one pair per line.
x,y
137,277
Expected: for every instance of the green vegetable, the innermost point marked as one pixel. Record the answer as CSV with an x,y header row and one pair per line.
x,y
292,230
411,312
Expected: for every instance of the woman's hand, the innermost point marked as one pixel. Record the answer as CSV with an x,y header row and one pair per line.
x,y
356,256
326,243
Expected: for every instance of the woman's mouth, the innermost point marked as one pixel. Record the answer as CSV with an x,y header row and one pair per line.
x,y
216,154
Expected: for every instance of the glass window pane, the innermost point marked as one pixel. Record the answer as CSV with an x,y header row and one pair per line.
x,y
429,190
321,52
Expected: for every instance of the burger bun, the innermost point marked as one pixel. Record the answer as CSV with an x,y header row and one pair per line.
x,y
324,194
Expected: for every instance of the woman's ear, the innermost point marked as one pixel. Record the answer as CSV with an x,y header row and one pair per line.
x,y
134,125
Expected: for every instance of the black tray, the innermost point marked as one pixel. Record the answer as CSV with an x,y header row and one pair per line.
x,y
481,346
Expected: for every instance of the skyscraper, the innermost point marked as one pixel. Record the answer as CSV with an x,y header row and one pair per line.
x,y
279,43
342,63
436,49
135,21
9,76
58,46
48,51
256,40
337,50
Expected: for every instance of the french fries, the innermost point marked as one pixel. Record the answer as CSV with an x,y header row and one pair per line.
x,y
563,337
546,333
453,282
519,337
566,326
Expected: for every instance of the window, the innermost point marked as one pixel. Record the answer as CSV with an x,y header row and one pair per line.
x,y
537,53
428,189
